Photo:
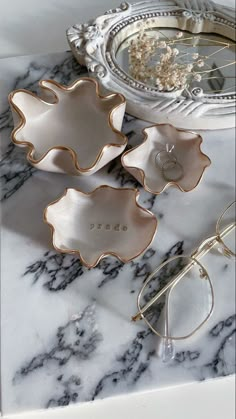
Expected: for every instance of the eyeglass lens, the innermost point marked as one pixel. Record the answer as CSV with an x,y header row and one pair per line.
x,y
185,306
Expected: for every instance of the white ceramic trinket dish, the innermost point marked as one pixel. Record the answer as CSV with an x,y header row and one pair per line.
x,y
107,221
167,157
71,129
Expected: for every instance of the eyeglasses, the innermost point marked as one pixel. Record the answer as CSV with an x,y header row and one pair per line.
x,y
186,287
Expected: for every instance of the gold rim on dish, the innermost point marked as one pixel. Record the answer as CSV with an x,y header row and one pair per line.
x,y
105,254
73,154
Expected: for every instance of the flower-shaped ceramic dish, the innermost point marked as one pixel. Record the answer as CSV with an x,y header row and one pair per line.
x,y
107,221
141,161
71,129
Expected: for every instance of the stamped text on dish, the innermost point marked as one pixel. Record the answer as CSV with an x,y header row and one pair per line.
x,y
108,227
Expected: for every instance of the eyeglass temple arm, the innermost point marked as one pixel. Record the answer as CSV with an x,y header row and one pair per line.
x,y
201,251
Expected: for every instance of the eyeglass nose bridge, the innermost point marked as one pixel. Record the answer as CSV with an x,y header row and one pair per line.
x,y
204,247
208,244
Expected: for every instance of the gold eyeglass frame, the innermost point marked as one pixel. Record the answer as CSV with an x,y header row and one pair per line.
x,y
204,247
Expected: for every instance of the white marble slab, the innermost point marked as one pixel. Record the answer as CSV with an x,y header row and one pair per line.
x,y
66,334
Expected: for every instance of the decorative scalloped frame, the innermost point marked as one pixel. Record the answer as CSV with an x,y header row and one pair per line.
x,y
95,43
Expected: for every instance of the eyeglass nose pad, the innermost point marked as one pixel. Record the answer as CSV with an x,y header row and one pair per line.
x,y
168,350
227,254
222,250
203,273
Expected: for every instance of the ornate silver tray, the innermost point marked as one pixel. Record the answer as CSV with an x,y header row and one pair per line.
x,y
102,44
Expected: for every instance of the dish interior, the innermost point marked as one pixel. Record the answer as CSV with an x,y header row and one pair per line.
x,y
108,221
79,119
186,149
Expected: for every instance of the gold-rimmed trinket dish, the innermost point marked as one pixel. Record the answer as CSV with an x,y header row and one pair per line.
x,y
69,129
167,157
105,222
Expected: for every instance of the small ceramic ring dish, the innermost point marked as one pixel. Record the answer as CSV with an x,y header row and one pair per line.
x,y
167,157
71,129
106,221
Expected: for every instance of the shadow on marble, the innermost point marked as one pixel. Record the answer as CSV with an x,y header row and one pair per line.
x,y
23,212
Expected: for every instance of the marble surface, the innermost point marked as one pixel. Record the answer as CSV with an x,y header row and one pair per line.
x,y
66,334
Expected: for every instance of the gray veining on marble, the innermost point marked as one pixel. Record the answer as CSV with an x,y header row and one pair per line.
x,y
66,334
